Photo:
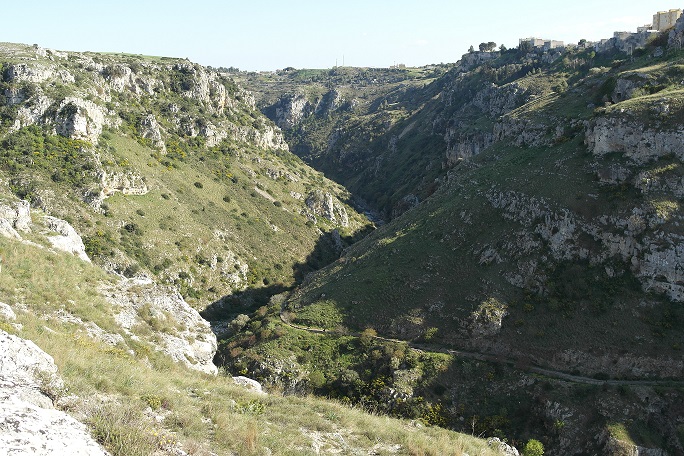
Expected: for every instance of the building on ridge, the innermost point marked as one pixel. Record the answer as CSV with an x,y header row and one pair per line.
x,y
664,20
541,43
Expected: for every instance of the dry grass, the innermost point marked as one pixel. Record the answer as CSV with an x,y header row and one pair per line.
x,y
142,403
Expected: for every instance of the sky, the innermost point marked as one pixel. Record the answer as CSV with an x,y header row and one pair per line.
x,y
261,35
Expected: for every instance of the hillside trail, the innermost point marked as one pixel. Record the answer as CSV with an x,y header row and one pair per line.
x,y
512,362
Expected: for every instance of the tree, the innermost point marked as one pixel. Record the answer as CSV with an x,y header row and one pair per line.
x,y
533,448
471,49
487,47
503,48
367,336
525,47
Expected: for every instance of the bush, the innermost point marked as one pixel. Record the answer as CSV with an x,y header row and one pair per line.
x,y
533,448
198,185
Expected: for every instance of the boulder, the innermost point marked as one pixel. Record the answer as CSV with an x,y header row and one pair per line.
x,y
250,384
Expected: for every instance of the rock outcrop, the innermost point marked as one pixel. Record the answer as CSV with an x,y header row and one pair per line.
x,y
291,110
65,238
636,142
249,383
324,204
79,119
16,218
178,330
17,215
29,424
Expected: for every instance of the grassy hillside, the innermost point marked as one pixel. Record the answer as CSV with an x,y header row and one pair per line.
x,y
175,174
553,240
142,403
168,173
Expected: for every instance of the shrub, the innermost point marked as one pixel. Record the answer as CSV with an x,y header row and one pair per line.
x,y
533,448
198,185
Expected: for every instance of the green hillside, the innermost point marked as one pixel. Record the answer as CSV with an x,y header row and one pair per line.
x,y
173,173
551,240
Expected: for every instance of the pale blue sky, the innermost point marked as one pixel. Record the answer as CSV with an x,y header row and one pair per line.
x,y
271,34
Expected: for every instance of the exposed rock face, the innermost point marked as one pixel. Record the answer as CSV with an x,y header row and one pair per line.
x,y
16,217
637,143
66,239
79,119
28,423
150,129
521,132
463,146
626,86
179,330
325,205
330,102
83,115
676,36
656,259
496,101
24,72
291,110
26,369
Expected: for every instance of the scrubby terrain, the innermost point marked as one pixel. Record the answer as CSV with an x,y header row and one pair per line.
x,y
537,266
525,283
136,192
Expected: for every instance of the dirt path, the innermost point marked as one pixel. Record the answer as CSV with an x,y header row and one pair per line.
x,y
512,362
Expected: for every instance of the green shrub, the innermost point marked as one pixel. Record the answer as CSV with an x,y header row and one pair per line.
x,y
533,448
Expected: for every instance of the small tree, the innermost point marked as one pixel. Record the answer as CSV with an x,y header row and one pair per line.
x,y
533,447
367,336
487,47
525,47
471,49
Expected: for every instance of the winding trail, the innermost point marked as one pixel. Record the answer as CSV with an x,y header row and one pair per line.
x,y
512,362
